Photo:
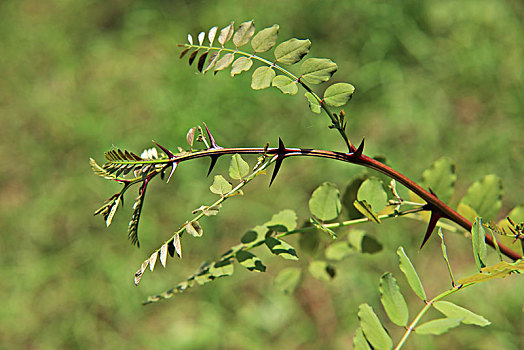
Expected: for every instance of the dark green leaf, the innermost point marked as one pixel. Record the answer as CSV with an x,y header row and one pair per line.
x,y
454,311
441,178
374,194
338,94
438,326
325,202
250,261
265,39
240,65
314,105
484,197
244,32
220,185
317,70
411,275
285,84
281,248
292,51
478,239
393,301
287,279
238,168
321,270
262,78
373,329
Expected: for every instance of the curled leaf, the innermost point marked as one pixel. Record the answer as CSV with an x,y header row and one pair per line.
x,y
194,229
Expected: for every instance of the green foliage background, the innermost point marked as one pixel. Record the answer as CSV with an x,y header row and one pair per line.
x,y
433,78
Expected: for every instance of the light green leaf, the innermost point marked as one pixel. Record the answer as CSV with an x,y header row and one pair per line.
x,y
220,185
222,268
484,197
325,202
359,341
438,326
338,94
454,311
441,178
244,32
393,301
238,169
292,50
240,65
321,270
285,84
317,70
194,229
226,33
286,218
467,212
364,208
478,239
373,329
224,62
314,105
445,255
374,194
262,77
281,248
288,279
338,251
265,39
250,261
500,270
411,275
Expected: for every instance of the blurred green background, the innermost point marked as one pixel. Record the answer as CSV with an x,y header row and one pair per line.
x,y
433,78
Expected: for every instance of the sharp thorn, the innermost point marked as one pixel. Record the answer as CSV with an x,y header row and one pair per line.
x,y
435,217
212,164
166,151
278,163
211,139
360,149
281,153
281,147
173,167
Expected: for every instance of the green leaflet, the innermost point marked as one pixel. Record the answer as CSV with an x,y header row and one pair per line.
x,y
374,194
262,78
238,168
500,270
285,84
317,70
338,94
288,279
373,329
281,248
393,301
224,62
478,240
286,218
226,33
484,197
244,32
359,341
325,202
321,270
250,261
292,51
220,186
364,208
265,39
314,105
454,311
438,326
240,65
411,275
441,178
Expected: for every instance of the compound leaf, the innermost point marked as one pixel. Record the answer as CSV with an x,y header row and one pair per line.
x,y
262,78
292,50
338,94
373,329
317,70
265,39
285,84
393,301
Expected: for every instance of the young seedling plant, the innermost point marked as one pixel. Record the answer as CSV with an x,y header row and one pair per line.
x,y
287,69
